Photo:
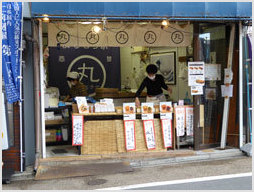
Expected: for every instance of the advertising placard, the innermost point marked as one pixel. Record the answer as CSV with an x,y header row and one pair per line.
x,y
180,120
196,73
77,130
189,120
129,111
130,138
166,110
149,133
166,125
147,110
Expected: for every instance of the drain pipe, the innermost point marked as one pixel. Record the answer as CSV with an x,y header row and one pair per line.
x,y
36,95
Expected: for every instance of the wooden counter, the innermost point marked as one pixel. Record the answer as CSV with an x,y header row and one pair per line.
x,y
104,134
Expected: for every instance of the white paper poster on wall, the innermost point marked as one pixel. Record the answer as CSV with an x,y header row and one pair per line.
x,y
189,121
197,90
149,133
4,134
180,120
130,138
228,76
213,72
77,130
166,125
227,91
129,111
196,73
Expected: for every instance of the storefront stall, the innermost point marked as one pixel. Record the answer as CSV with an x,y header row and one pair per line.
x,y
191,53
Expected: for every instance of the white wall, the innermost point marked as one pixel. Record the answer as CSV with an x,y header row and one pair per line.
x,y
130,60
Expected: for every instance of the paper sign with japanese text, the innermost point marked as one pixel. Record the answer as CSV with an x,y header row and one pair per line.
x,y
129,111
149,133
228,76
82,104
167,132
189,120
196,73
147,111
77,130
130,138
196,90
180,120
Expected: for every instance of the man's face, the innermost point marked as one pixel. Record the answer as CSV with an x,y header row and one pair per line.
x,y
74,82
151,76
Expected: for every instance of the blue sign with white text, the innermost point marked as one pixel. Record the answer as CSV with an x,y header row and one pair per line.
x,y
11,45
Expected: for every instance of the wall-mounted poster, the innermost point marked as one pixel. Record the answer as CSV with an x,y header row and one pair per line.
x,y
77,130
196,73
149,133
166,63
130,139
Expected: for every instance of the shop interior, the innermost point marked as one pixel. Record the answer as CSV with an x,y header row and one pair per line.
x,y
133,62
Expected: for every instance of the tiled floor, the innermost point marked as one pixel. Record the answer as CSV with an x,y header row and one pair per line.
x,y
71,151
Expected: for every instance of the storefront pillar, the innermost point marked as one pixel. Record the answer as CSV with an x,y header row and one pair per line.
x,y
196,98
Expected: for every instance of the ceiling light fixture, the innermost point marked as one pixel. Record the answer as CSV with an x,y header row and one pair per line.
x,y
96,29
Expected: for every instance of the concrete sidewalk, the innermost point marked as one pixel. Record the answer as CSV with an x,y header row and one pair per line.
x,y
138,160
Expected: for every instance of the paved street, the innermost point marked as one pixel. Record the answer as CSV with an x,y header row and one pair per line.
x,y
148,175
224,182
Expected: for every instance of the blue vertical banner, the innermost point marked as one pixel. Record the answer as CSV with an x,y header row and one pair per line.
x,y
11,48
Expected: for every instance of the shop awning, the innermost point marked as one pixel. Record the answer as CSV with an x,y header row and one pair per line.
x,y
145,10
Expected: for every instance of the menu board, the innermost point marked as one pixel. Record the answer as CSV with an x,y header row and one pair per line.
x,y
130,139
77,130
129,111
166,125
82,105
196,74
166,110
149,132
180,120
189,121
147,111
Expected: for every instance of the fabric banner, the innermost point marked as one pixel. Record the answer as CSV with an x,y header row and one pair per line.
x,y
97,67
119,34
11,48
77,130
63,34
149,133
167,132
129,132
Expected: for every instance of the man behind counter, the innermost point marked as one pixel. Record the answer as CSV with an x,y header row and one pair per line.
x,y
154,84
77,88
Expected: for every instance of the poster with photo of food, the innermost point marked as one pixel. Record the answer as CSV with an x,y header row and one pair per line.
x,y
129,111
166,110
196,73
147,110
82,104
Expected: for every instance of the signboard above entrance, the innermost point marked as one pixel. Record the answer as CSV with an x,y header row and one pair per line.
x,y
118,35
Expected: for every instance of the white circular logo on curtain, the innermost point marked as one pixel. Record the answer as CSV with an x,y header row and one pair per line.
x,y
91,71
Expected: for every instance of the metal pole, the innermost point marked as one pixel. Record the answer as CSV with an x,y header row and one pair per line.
x,y
21,99
240,85
42,92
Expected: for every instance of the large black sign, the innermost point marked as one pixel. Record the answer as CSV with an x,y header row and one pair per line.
x,y
97,67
